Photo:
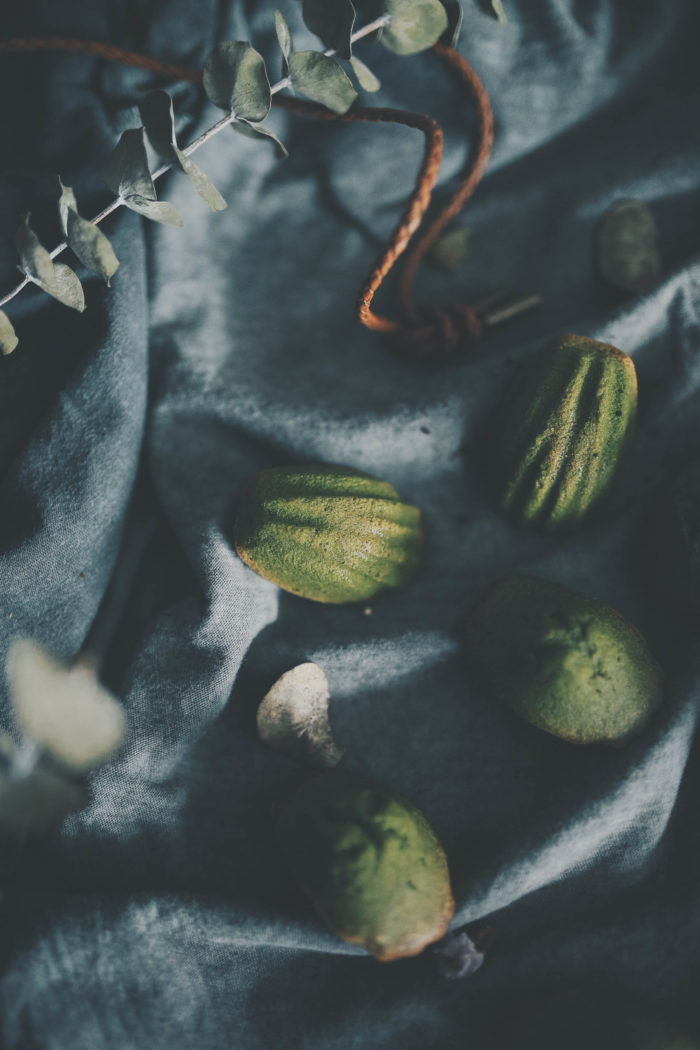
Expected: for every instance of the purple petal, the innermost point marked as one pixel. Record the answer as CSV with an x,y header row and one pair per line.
x,y
457,955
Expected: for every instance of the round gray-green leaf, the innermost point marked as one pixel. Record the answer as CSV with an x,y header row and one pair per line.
x,y
414,25
128,176
36,261
8,337
257,131
321,79
66,287
628,256
365,77
235,79
84,238
201,182
127,170
332,21
156,111
58,281
157,211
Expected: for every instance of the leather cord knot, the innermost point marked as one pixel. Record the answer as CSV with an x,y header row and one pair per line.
x,y
439,335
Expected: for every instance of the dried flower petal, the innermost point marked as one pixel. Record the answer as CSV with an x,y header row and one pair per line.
x,y
293,716
458,955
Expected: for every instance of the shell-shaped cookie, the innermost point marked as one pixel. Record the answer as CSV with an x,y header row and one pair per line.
x,y
558,437
327,533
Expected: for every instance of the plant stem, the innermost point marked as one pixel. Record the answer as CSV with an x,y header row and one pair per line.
x,y
371,27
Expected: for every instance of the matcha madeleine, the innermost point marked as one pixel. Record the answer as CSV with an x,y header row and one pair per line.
x,y
327,533
565,662
370,863
557,439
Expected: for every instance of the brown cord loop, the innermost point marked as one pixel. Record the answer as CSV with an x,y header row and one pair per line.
x,y
70,45
426,334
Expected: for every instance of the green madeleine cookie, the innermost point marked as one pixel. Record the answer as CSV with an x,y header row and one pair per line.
x,y
370,863
556,441
327,533
568,664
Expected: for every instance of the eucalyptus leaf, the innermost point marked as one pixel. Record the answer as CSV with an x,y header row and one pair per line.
x,y
201,182
36,261
128,176
497,10
235,79
284,38
156,111
84,238
455,20
8,338
332,21
157,211
127,170
414,25
256,131
66,287
627,249
58,281
365,76
63,709
321,79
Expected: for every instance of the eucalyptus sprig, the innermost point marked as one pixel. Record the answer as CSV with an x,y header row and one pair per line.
x,y
236,80
69,724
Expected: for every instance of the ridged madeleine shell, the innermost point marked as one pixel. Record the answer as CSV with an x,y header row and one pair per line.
x,y
330,534
557,440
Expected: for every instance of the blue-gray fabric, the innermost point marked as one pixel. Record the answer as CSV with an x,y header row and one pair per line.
x,y
162,916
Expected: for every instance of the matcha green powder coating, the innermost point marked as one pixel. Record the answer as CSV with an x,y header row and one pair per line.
x,y
327,533
568,664
370,863
557,438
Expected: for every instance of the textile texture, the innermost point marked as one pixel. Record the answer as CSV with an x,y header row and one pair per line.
x,y
162,915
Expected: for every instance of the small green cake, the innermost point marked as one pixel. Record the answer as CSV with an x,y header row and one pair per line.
x,y
557,439
327,533
370,863
565,662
